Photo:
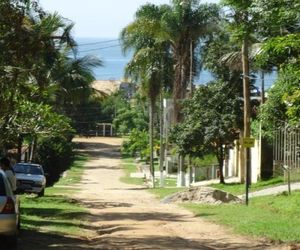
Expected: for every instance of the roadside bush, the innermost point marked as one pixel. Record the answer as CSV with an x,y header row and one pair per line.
x,y
137,144
56,155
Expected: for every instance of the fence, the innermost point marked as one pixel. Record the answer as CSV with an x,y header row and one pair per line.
x,y
286,152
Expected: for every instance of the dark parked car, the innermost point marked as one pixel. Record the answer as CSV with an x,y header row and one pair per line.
x,y
30,178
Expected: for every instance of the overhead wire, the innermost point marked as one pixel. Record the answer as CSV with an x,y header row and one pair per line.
x,y
101,48
99,42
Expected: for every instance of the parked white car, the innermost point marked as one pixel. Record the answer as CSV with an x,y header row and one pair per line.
x,y
30,178
9,214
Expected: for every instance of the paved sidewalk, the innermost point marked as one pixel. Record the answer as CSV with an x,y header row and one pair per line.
x,y
273,190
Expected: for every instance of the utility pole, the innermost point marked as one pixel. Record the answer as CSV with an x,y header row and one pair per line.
x,y
191,68
162,147
247,105
262,101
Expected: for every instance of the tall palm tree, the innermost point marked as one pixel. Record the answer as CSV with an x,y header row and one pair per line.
x,y
73,77
179,27
183,25
151,62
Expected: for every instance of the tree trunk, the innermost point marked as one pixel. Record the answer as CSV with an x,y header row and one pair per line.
x,y
181,172
161,149
181,79
221,164
20,144
151,125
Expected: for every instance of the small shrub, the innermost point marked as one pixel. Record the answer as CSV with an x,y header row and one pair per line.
x,y
137,144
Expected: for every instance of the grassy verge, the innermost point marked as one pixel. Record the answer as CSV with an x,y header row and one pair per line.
x,y
129,167
238,189
56,212
274,217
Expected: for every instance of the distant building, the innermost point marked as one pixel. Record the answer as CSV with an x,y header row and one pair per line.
x,y
108,87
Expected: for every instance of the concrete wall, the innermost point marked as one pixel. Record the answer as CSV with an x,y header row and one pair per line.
x,y
236,168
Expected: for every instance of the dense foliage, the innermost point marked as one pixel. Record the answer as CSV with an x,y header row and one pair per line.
x,y
56,155
40,78
212,122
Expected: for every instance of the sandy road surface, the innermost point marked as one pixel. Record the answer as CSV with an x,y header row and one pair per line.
x,y
125,217
128,217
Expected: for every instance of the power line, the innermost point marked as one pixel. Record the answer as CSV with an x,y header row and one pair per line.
x,y
96,49
100,42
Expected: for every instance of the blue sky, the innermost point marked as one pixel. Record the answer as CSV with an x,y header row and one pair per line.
x,y
98,18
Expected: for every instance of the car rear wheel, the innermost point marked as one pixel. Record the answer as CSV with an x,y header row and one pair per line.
x,y
42,193
11,243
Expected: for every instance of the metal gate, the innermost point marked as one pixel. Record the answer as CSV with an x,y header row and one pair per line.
x,y
286,151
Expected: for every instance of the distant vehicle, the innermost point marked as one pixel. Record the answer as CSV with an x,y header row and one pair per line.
x,y
30,178
9,212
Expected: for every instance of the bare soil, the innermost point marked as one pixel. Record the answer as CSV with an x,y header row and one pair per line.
x,y
128,217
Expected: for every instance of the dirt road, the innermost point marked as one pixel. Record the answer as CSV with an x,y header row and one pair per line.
x,y
128,217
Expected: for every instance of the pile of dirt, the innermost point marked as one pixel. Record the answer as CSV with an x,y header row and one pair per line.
x,y
204,195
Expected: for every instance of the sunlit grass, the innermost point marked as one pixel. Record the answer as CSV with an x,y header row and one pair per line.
x,y
129,167
274,217
56,212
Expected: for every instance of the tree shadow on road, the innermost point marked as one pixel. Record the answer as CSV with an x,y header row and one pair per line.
x,y
99,149
34,240
168,243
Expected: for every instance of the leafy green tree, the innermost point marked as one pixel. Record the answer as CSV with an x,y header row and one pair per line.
x,y
281,49
284,98
129,118
74,77
183,25
55,154
211,122
36,76
276,17
137,144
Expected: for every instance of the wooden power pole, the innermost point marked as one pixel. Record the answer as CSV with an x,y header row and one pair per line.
x,y
247,109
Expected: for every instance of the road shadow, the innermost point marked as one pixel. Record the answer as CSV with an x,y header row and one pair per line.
x,y
103,167
98,149
169,243
142,216
104,204
34,240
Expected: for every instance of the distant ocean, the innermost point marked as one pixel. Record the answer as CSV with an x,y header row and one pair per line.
x,y
114,61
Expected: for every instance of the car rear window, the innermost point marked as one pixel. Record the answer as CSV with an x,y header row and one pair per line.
x,y
28,169
2,186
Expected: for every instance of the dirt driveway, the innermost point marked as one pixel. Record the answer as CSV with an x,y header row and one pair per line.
x,y
128,217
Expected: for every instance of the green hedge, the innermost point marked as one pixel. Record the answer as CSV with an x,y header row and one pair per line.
x,y
56,155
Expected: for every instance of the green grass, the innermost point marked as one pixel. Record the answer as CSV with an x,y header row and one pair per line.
x,y
170,182
274,217
73,175
56,212
238,189
129,167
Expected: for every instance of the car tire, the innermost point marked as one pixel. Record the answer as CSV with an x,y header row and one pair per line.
x,y
12,242
42,193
